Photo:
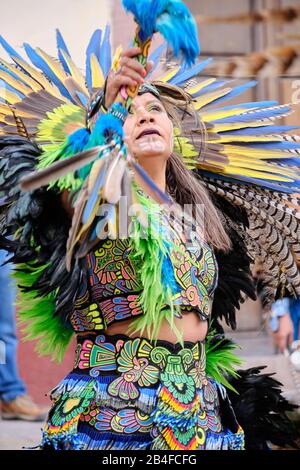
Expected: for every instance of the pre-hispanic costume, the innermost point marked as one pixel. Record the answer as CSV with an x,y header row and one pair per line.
x,y
143,392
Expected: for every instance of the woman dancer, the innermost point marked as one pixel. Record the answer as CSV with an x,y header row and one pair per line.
x,y
150,370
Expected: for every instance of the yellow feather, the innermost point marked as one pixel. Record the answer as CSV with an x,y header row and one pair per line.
x,y
54,65
116,58
23,76
250,161
253,152
238,125
97,74
194,89
7,78
220,114
75,72
9,96
210,97
60,122
246,138
211,165
4,108
50,87
254,174
169,75
258,165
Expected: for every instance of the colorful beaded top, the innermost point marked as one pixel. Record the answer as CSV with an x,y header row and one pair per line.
x,y
111,291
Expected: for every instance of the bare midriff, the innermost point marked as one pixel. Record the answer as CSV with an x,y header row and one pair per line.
x,y
193,328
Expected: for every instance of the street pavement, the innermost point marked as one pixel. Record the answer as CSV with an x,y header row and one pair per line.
x,y
256,349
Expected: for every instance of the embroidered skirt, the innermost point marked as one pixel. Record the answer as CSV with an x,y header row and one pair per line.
x,y
131,393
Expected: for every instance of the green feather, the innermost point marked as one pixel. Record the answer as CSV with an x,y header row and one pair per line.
x,y
61,122
221,361
52,153
155,299
35,316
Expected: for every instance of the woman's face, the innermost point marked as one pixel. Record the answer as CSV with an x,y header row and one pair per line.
x,y
148,129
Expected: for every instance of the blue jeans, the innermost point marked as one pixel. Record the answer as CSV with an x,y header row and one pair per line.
x,y
295,316
11,384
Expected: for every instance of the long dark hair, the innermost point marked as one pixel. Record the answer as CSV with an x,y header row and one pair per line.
x,y
182,183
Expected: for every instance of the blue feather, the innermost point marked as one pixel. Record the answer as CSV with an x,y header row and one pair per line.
x,y
10,72
61,46
262,130
282,187
93,48
253,115
211,87
273,145
84,100
105,52
9,49
145,13
106,125
287,162
235,92
179,78
167,275
163,196
6,86
156,55
77,141
172,19
44,67
181,70
252,104
95,193
181,35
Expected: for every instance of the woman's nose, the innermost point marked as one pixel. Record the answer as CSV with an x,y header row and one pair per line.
x,y
145,116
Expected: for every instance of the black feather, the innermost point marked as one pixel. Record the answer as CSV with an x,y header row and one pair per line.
x,y
235,279
41,223
261,410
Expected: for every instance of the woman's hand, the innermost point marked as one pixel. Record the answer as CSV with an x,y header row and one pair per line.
x,y
130,73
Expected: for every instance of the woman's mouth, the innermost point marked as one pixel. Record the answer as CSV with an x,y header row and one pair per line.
x,y
148,132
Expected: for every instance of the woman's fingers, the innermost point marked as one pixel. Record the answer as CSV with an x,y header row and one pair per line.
x,y
127,71
131,68
132,64
131,52
124,80
128,60
130,73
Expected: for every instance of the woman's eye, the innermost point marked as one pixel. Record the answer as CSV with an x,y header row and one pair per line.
x,y
155,108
